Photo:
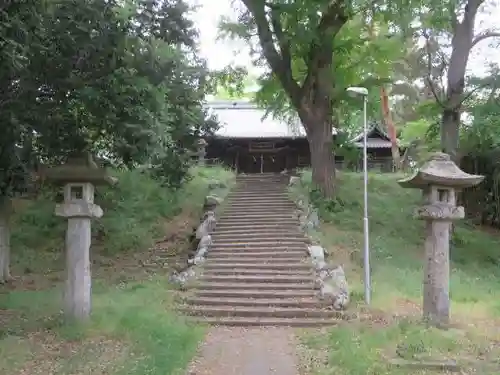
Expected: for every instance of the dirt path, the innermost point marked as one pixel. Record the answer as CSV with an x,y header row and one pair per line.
x,y
247,351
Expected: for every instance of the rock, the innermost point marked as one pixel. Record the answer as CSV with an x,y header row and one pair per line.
x,y
313,219
317,253
214,184
207,214
333,287
178,278
198,260
202,252
320,265
206,227
205,242
294,180
212,200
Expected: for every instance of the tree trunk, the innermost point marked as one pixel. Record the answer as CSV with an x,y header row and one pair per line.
x,y
4,242
386,113
450,133
320,140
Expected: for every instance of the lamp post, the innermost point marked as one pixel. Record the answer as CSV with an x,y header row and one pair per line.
x,y
363,92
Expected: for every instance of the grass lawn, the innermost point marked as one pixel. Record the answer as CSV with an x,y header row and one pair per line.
x,y
391,328
133,329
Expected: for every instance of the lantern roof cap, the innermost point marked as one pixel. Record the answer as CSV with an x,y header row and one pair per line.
x,y
440,170
79,168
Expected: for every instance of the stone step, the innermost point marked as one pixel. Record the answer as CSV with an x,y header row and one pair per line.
x,y
227,226
253,272
259,219
258,211
289,214
259,200
245,222
310,302
265,322
257,237
258,194
299,255
234,264
278,243
255,293
242,259
305,286
256,279
259,311
261,205
259,250
261,231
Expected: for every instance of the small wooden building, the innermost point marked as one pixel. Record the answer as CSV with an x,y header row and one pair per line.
x,y
378,148
249,142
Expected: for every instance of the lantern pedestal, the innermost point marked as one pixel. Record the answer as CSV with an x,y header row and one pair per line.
x,y
439,179
78,177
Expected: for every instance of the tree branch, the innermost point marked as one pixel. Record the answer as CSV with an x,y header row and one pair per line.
x,y
485,35
428,77
320,54
281,38
279,66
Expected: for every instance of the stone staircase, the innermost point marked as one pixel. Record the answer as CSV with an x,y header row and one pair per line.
x,y
257,271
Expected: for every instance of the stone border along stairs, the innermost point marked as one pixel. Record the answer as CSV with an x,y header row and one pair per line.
x,y
257,272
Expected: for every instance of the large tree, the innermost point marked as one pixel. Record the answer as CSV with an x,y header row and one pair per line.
x,y
453,30
118,79
315,50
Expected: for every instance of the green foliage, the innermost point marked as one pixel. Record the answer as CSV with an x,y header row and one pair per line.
x,y
119,79
346,149
358,60
135,211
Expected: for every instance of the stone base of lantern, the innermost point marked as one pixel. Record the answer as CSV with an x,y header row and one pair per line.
x,y
437,273
78,288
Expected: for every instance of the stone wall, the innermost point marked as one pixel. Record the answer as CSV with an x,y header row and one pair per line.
x,y
211,206
330,277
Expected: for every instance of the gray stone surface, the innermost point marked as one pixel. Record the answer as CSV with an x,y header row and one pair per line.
x,y
212,200
77,294
214,185
294,180
317,253
333,286
206,227
205,242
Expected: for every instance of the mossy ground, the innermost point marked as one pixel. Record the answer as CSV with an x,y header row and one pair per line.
x,y
392,321
133,329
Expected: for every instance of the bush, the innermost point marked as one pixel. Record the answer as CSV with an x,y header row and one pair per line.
x,y
134,211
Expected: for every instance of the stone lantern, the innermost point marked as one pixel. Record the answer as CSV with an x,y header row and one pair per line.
x,y
201,151
439,179
78,177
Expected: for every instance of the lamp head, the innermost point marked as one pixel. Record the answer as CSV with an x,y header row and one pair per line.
x,y
357,91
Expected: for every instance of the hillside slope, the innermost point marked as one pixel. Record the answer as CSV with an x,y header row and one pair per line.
x,y
397,248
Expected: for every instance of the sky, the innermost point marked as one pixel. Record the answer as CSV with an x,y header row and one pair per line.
x,y
222,53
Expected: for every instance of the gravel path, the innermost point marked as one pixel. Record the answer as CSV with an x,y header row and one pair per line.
x,y
247,351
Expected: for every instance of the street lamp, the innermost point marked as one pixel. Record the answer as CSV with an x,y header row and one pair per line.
x,y
363,92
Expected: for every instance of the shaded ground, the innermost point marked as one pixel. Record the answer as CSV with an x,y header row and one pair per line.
x,y
252,351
